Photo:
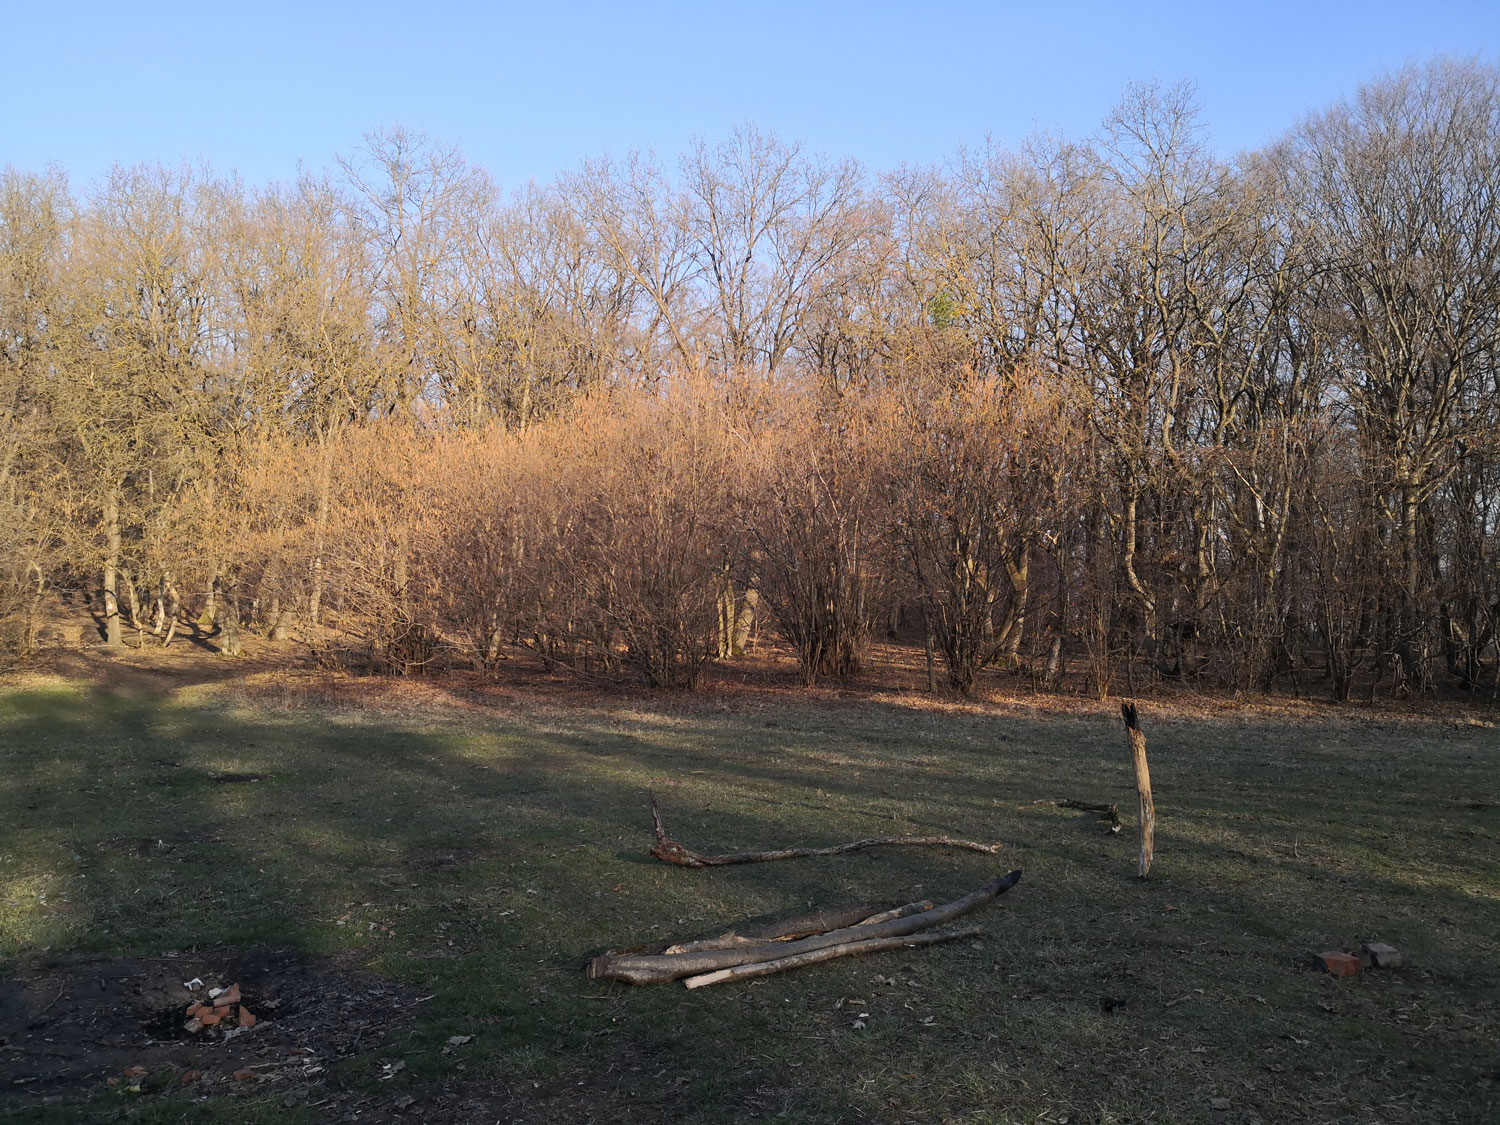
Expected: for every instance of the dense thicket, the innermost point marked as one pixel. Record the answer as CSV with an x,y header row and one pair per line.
x,y
1117,405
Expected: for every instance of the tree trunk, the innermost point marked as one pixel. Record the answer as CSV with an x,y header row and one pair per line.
x,y
112,570
320,529
229,617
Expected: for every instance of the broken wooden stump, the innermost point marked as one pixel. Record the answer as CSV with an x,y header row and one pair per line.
x,y
1142,787
695,960
670,851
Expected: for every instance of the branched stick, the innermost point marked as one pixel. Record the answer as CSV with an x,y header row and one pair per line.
x,y
653,969
670,851
849,949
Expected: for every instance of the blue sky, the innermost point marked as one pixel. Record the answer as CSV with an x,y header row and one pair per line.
x,y
530,89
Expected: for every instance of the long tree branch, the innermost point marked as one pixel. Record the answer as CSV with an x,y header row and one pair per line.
x,y
849,949
670,851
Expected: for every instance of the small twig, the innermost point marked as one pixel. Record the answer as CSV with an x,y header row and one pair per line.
x,y
54,1000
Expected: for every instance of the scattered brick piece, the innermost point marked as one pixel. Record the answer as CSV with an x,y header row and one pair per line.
x,y
243,1075
135,1072
1337,964
196,1009
230,995
190,1076
1376,955
247,1017
209,1019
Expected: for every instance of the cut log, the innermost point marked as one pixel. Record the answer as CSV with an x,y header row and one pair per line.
x,y
1142,787
670,851
1110,813
653,969
849,949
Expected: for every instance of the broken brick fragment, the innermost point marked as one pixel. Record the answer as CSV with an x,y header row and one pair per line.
x,y
209,1019
1376,955
196,1009
190,1076
1336,964
244,1075
230,995
247,1017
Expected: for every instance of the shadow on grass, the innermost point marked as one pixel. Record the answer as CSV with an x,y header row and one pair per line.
x,y
481,857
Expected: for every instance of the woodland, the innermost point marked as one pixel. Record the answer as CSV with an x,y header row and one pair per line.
x,y
1103,412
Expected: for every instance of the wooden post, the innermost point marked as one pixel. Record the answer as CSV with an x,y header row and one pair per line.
x,y
1142,786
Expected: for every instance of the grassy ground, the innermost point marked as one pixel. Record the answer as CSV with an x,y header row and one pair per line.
x,y
478,851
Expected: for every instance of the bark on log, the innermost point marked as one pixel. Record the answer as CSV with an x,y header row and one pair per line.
x,y
1142,787
670,851
849,949
653,969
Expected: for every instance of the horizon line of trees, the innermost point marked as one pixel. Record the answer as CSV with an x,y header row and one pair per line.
x,y
1116,404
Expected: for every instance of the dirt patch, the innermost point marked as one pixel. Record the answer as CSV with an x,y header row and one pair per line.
x,y
83,1028
68,1025
442,859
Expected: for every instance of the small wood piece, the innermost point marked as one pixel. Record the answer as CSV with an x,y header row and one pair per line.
x,y
670,851
849,949
654,969
1142,787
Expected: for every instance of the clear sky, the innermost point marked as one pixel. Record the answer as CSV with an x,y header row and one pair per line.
x,y
530,89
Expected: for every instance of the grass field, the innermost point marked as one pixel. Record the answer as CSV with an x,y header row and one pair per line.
x,y
462,854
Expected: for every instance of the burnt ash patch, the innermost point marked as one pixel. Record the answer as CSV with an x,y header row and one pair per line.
x,y
69,1024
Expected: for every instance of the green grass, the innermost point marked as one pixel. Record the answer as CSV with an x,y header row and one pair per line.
x,y
131,825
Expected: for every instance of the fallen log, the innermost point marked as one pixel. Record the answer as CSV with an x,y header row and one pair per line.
x,y
1110,813
805,925
670,851
848,949
656,968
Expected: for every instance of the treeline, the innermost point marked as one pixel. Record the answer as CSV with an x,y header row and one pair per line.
x,y
1117,407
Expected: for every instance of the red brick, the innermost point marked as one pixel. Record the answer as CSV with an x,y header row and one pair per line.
x,y
230,995
1337,964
